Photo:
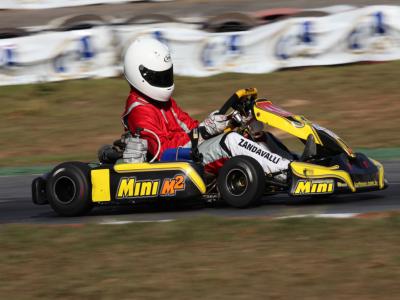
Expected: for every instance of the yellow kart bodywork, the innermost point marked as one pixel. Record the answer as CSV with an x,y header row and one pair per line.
x,y
141,180
309,178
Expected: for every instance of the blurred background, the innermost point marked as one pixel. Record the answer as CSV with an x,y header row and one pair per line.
x,y
62,93
61,97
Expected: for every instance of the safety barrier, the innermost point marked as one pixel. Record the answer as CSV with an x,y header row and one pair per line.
x,y
366,34
44,4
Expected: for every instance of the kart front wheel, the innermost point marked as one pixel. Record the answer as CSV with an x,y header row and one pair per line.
x,y
69,189
241,181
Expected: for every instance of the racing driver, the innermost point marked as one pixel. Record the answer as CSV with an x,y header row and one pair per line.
x,y
149,70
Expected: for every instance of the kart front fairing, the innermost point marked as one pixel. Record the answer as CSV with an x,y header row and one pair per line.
x,y
328,143
334,168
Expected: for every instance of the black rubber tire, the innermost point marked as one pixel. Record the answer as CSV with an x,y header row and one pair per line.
x,y
247,192
230,22
69,189
150,19
8,33
77,22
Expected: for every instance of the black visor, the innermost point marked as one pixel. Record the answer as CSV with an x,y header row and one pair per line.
x,y
158,78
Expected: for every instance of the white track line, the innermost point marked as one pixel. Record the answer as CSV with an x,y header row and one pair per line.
x,y
334,216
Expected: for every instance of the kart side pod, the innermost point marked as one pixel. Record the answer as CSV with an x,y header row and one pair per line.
x,y
73,188
136,182
309,179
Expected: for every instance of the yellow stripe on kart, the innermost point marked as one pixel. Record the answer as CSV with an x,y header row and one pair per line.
x,y
302,128
246,92
101,185
306,170
149,167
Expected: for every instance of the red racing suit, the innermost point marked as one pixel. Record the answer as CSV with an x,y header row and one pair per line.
x,y
166,119
172,125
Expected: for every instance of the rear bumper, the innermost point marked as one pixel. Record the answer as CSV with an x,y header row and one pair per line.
x,y
39,194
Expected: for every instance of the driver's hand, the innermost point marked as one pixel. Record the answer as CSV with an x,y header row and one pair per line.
x,y
256,128
214,124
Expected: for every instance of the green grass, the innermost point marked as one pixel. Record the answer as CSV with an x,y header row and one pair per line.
x,y
51,122
204,258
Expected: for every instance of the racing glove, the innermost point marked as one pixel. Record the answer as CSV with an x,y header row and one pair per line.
x,y
213,125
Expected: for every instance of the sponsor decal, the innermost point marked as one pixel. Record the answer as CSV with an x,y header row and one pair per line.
x,y
8,56
362,184
222,51
309,187
129,187
171,186
158,35
261,152
74,57
298,41
342,184
167,58
372,34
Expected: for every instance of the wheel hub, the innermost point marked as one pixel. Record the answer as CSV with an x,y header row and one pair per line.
x,y
237,182
65,190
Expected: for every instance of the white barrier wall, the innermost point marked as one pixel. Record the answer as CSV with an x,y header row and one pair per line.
x,y
44,4
55,56
367,34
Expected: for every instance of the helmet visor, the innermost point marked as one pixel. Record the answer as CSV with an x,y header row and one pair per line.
x,y
158,78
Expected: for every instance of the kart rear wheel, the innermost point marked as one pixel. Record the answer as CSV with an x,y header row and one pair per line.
x,y
241,181
69,189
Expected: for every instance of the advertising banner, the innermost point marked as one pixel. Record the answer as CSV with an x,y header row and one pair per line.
x,y
367,34
55,56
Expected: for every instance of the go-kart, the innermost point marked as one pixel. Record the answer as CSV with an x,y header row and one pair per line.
x,y
326,166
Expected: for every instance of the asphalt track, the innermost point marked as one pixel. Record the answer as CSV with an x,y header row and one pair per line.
x,y
15,195
16,205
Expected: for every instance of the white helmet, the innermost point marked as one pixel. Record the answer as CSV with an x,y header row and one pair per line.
x,y
148,68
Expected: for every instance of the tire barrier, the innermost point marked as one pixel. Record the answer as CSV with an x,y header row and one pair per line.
x,y
230,22
46,4
78,22
9,33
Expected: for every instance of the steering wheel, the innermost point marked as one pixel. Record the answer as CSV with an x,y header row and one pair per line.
x,y
241,103
238,98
